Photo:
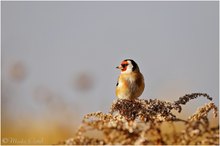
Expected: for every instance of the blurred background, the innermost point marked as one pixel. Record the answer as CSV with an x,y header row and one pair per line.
x,y
59,59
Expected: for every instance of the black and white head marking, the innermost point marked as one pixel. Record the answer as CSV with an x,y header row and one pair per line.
x,y
132,66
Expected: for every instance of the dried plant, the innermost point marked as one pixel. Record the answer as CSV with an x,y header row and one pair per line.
x,y
140,122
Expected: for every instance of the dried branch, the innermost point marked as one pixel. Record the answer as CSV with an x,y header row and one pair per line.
x,y
139,122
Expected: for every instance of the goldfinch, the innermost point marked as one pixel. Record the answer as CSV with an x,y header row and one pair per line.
x,y
130,83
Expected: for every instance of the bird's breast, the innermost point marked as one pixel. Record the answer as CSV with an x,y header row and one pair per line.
x,y
129,86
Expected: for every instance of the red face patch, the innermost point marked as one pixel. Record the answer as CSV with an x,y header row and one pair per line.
x,y
124,65
124,69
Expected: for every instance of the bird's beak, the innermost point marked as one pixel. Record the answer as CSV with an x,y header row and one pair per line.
x,y
119,67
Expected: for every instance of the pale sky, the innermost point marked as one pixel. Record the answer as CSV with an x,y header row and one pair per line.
x,y
176,45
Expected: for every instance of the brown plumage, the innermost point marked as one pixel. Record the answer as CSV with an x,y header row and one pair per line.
x,y
130,83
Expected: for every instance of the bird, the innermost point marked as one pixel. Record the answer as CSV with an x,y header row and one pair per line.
x,y
130,84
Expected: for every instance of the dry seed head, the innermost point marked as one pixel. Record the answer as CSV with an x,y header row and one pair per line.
x,y
139,122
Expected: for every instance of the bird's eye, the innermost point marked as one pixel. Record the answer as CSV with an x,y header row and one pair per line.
x,y
124,65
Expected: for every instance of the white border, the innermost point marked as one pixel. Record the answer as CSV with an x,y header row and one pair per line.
x,y
117,0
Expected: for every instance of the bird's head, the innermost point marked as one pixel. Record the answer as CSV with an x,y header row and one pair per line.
x,y
128,66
